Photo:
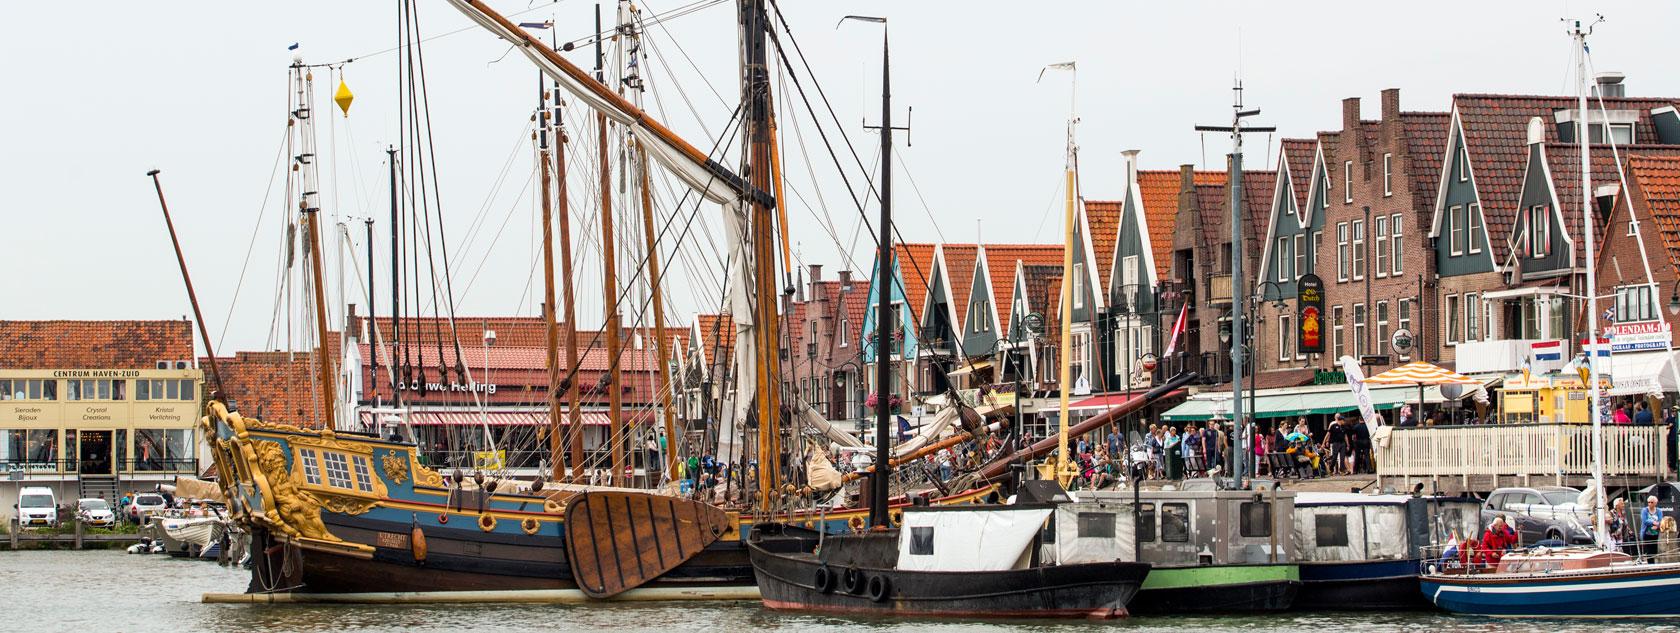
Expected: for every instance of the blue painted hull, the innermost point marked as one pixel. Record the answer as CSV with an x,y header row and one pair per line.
x,y
1359,586
1640,591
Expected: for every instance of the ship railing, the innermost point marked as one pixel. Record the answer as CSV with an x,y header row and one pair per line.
x,y
1458,559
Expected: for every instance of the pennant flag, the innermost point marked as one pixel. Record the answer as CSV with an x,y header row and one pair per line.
x,y
293,47
1178,328
537,25
1610,314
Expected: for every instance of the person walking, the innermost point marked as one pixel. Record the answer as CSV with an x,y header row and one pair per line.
x,y
1650,523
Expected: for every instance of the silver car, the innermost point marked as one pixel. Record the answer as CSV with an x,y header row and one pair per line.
x,y
1540,513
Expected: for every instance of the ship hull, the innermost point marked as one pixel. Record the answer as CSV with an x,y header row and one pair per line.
x,y
1218,589
1652,591
1359,586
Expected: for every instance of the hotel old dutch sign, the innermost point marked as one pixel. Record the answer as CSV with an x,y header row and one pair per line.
x,y
1309,305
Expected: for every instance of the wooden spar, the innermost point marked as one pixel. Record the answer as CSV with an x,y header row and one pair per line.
x,y
574,433
1064,466
552,329
192,296
766,333
617,437
660,342
776,178
312,217
597,89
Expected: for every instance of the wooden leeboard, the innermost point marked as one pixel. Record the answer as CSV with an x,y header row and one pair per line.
x,y
617,541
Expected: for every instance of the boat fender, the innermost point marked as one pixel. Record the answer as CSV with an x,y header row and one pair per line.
x,y
852,581
879,587
417,540
824,579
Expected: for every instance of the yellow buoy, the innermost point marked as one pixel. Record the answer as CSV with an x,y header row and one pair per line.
x,y
343,97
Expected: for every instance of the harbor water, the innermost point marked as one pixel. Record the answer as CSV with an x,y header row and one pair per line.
x,y
114,591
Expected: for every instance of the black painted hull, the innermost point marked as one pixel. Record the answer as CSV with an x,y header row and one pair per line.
x,y
1360,586
788,581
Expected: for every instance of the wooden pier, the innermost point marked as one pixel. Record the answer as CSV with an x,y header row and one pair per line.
x,y
18,538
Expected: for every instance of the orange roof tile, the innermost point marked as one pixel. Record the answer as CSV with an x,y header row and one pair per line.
x,y
1658,182
915,267
959,262
1000,268
1158,191
1103,218
93,344
717,334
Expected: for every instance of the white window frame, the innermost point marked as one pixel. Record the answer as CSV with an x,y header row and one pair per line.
x,y
1342,251
1300,254
1347,182
1285,330
1473,330
1359,249
1473,217
1455,230
845,332
1539,232
1078,285
1317,239
1283,259
1324,196
1382,323
1463,164
1453,320
1395,244
1338,346
1388,175
1361,319
1381,235
1403,314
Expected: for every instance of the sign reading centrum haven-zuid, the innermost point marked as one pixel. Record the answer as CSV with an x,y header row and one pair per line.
x,y
99,398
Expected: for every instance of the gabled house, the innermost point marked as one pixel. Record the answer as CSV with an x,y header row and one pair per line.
x,y
949,286
1202,265
1640,315
911,269
1289,251
824,361
1495,299
992,306
1139,265
1031,321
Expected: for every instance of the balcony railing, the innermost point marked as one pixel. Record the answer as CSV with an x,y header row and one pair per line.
x,y
1219,289
120,467
1477,357
1556,453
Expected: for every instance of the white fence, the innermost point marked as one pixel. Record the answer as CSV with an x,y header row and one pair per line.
x,y
1560,451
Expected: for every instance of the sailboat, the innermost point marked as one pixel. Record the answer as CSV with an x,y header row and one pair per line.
x,y
1586,581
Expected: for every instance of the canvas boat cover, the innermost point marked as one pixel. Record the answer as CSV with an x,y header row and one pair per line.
x,y
969,540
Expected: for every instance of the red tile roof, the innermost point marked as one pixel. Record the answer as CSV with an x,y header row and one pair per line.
x,y
959,262
1564,159
1298,154
272,386
1000,268
915,267
717,335
1657,179
93,344
1159,195
1426,146
1496,137
1103,219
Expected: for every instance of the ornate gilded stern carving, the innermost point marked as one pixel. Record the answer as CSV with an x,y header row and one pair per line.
x,y
298,513
396,468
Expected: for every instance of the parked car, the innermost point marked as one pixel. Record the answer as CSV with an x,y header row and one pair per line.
x,y
37,507
144,505
95,513
1541,513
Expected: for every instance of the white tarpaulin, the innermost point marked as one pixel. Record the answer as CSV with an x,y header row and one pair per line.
x,y
834,434
968,540
1349,532
1640,373
928,432
1094,532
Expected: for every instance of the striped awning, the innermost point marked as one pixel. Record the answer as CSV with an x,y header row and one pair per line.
x,y
1421,373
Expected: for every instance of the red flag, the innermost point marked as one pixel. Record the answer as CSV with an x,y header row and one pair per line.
x,y
1178,328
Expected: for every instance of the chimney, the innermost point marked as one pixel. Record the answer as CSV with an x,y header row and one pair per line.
x,y
1609,84
1536,131
1350,117
816,276
845,281
1186,178
1390,105
353,323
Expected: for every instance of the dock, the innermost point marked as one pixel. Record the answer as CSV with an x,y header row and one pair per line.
x,y
17,538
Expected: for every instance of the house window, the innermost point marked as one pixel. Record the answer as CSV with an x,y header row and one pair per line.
x,y
1078,285
1301,266
1081,360
101,389
1382,323
1283,259
1347,182
1338,345
1388,175
1472,317
1286,337
1634,303
1405,310
1620,133
1394,244
29,389
1324,194
1455,230
1255,519
1463,165
1358,249
1342,251
1317,238
845,332
1477,235
1539,231
1633,228
1381,227
1359,347
1452,319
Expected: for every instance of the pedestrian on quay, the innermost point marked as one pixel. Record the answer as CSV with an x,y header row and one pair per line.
x,y
1360,437
1335,444
1650,522
1642,415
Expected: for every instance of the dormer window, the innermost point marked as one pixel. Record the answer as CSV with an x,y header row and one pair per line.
x,y
1620,133
1539,232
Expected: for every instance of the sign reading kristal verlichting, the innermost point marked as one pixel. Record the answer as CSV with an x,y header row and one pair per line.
x,y
1310,310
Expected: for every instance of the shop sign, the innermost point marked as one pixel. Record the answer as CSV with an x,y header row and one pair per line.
x,y
1643,335
1310,306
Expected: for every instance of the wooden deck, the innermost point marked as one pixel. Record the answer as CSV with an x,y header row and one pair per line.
x,y
1479,459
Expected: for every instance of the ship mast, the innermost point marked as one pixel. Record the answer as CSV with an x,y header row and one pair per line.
x,y
1579,33
1062,464
616,439
304,82
633,81
574,417
755,95
551,328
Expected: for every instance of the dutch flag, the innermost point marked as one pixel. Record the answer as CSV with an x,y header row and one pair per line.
x,y
1547,350
1600,349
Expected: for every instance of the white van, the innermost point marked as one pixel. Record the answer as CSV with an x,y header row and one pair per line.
x,y
37,507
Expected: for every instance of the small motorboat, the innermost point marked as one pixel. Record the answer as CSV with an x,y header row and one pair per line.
x,y
976,561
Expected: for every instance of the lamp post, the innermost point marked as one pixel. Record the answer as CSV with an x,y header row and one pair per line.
x,y
1276,290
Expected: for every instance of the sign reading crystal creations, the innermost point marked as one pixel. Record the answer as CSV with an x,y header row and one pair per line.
x,y
1310,304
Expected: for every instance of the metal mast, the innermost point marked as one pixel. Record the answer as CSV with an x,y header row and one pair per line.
x,y
303,82
1239,316
1580,33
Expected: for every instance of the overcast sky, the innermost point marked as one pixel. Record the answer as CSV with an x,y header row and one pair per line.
x,y
100,92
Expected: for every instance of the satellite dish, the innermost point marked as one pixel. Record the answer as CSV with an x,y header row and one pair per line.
x,y
1452,391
